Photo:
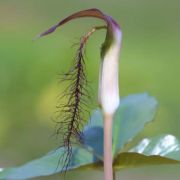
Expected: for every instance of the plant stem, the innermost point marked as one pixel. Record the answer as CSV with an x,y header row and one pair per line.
x,y
108,162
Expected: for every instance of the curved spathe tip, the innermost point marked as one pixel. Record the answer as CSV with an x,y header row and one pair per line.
x,y
108,86
95,13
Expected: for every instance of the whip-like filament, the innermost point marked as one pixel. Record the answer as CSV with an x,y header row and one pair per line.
x,y
72,114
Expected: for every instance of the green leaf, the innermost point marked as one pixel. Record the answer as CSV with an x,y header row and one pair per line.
x,y
96,120
164,145
134,112
48,165
132,160
163,149
132,115
93,140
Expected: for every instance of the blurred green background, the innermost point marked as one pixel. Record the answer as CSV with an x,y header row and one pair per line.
x,y
29,71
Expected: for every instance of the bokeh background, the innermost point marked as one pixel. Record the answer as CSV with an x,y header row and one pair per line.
x,y
150,62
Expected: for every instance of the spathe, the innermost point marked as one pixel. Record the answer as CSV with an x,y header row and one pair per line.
x,y
108,85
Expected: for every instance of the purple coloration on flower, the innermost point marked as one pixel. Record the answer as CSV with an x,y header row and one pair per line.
x,y
108,86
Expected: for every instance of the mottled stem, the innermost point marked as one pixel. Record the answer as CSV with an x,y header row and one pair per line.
x,y
108,161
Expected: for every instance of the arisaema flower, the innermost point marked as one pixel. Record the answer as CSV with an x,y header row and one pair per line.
x,y
108,84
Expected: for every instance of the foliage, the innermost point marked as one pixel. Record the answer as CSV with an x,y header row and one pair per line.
x,y
134,112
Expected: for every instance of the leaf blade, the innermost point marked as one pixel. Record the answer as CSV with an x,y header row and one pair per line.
x,y
132,159
135,111
48,165
164,149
